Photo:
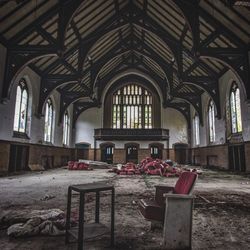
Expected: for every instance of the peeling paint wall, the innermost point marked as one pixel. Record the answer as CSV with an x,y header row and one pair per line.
x,y
177,125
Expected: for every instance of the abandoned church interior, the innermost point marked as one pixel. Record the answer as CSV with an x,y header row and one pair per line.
x,y
128,120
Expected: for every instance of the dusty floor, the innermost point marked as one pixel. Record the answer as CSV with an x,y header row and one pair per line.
x,y
221,217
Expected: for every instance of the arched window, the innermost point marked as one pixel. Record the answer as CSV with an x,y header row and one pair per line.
x,y
132,107
196,129
66,124
211,121
21,107
235,109
49,118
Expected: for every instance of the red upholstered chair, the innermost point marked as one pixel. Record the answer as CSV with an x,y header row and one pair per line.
x,y
154,210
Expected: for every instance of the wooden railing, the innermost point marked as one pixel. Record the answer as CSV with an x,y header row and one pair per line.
x,y
131,134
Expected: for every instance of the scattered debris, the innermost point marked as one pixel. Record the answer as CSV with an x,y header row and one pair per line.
x,y
96,164
75,165
29,223
204,199
47,197
36,167
36,226
151,166
20,216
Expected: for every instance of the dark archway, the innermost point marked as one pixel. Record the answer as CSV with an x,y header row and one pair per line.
x,y
107,152
132,152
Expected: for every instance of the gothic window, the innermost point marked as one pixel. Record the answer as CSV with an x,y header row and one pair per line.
x,y
66,125
49,118
132,107
235,109
211,121
21,107
196,129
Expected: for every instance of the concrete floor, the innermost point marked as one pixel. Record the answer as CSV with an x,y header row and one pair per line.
x,y
221,215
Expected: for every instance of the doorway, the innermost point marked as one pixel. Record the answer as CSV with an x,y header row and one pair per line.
x,y
181,150
156,151
82,151
237,158
19,156
132,153
107,152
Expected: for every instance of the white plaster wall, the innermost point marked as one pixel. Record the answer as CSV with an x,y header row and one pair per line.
x,y
3,52
85,125
177,125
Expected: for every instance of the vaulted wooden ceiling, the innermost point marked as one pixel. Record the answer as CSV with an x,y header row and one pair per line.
x,y
78,46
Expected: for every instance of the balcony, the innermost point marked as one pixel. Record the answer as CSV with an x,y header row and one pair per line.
x,y
155,134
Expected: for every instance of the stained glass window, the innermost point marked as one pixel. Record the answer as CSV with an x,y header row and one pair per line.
x,y
211,121
132,107
21,107
49,117
235,109
66,125
196,129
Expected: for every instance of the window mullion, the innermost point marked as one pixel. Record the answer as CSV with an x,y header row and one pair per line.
x,y
121,110
20,109
143,109
235,108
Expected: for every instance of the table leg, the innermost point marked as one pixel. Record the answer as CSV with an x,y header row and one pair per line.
x,y
97,207
68,215
81,222
112,217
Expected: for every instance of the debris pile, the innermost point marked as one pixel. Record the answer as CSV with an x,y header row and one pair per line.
x,y
36,222
75,165
151,166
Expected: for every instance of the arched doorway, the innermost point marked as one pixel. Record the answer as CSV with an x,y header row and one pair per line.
x,y
107,152
132,152
156,150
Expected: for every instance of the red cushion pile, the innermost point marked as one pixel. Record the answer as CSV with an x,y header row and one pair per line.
x,y
75,165
158,167
148,166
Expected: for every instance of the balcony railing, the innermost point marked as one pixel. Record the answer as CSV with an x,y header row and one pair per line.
x,y
131,134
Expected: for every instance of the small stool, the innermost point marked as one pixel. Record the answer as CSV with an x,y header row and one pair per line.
x,y
87,231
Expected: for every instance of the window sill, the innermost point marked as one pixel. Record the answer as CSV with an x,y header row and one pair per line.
x,y
235,138
20,135
48,143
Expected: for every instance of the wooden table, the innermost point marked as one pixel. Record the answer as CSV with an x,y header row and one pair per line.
x,y
89,230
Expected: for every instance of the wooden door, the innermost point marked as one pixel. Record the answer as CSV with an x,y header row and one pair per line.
x,y
237,158
156,152
132,154
107,154
181,153
19,156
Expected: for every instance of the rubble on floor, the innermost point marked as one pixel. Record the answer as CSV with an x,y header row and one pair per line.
x,y
151,166
87,165
75,165
37,222
96,164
